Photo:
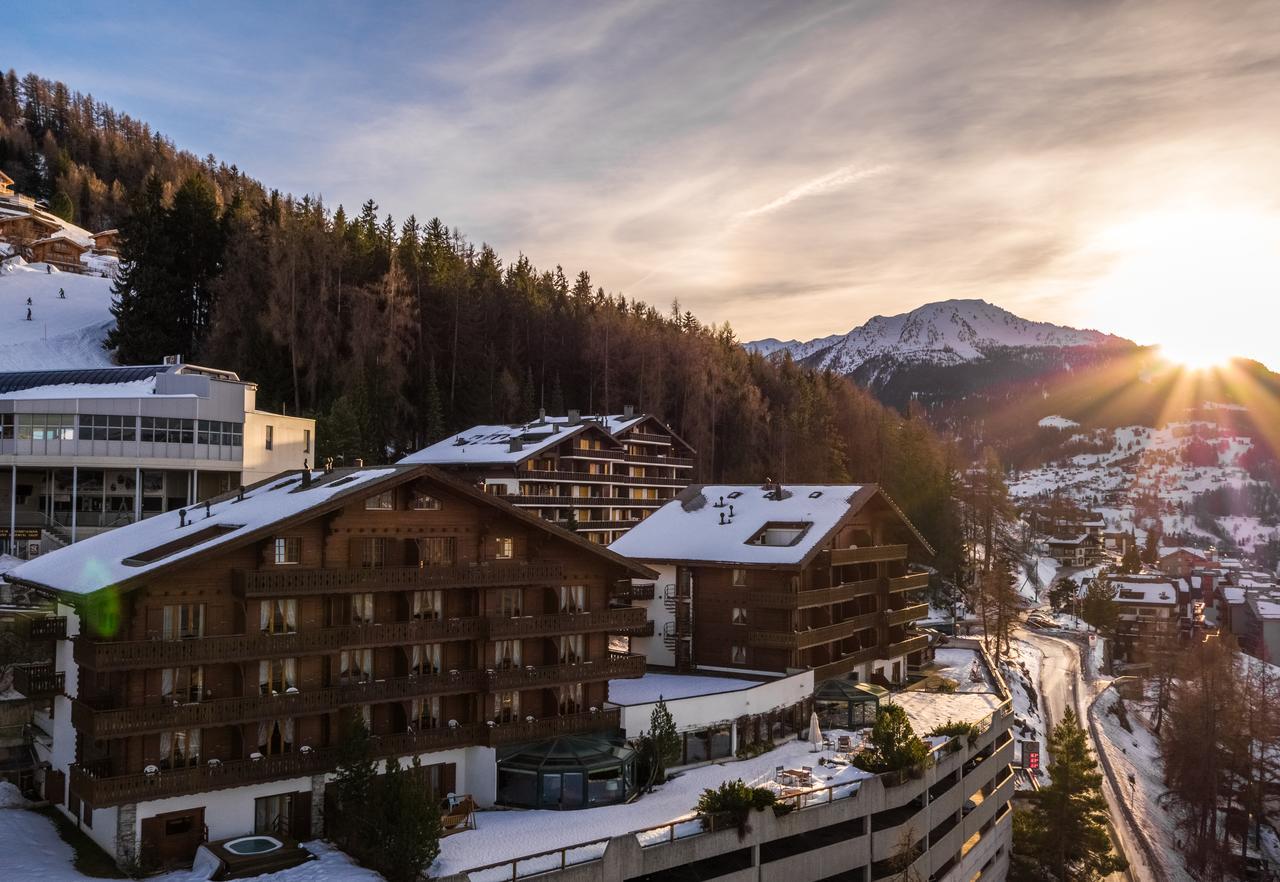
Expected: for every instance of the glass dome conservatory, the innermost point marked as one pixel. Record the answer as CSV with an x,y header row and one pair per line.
x,y
843,704
569,772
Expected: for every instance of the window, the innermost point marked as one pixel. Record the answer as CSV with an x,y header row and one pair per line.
x,y
495,489
506,654
738,655
272,814
278,616
373,551
275,737
428,605
183,621
108,427
180,748
573,598
506,707
509,604
739,615
306,440
505,548
571,648
220,434
183,685
46,427
569,699
437,551
167,430
739,578
6,426
277,676
424,660
362,609
424,713
384,501
356,666
288,549
423,502
270,437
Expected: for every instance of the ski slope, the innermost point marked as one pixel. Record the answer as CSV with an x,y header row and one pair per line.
x,y
62,333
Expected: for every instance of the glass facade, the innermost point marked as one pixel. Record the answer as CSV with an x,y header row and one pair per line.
x,y
570,772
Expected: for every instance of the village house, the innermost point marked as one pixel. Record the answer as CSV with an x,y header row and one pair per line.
x,y
215,654
597,475
1183,561
60,250
776,579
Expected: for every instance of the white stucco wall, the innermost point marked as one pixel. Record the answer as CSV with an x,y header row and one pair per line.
x,y
701,711
653,648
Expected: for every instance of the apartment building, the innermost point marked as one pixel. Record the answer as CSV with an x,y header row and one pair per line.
x,y
596,475
212,655
87,450
778,578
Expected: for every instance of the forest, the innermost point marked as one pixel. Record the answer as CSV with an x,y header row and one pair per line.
x,y
394,334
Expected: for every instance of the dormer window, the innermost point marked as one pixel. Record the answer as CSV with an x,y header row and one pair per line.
x,y
777,534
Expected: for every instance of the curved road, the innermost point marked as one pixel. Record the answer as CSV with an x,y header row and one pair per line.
x,y
1060,679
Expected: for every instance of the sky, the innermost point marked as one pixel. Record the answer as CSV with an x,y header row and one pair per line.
x,y
792,168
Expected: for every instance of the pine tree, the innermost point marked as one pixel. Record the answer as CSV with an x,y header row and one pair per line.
x,y
892,745
1131,562
1065,836
407,830
62,206
664,738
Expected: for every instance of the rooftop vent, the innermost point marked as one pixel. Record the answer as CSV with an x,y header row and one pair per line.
x,y
815,494
515,445
160,552
735,494
628,411
575,417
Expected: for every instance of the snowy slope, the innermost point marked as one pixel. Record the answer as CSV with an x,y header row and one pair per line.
x,y
948,332
62,333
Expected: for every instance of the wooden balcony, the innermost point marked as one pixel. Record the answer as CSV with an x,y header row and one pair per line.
x,y
903,647
107,790
842,666
645,630
571,724
120,722
591,478
617,666
813,636
47,628
555,624
868,554
292,581
651,439
39,682
908,614
909,582
814,597
126,655
626,589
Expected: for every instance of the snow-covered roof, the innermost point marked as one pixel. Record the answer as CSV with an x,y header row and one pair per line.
x,y
145,547
652,686
1075,540
1232,595
1145,592
723,523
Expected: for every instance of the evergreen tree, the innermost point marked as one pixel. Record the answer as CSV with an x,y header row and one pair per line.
x,y
1064,836
664,739
407,829
1131,562
62,206
1100,608
892,744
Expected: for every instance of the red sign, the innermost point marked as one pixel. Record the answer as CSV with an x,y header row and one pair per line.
x,y
1033,761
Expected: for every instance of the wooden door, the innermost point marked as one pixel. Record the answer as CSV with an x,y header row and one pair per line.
x,y
55,786
171,839
300,823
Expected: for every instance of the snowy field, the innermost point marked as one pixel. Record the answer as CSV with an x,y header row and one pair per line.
x,y
62,333
32,851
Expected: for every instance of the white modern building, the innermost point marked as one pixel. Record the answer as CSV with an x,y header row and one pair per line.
x,y
86,450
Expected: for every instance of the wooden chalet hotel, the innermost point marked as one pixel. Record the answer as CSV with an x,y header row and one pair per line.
x,y
600,474
212,653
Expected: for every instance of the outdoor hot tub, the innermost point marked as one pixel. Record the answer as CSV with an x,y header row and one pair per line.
x,y
247,845
246,856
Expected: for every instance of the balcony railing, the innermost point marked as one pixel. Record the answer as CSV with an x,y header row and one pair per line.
x,y
903,647
47,628
549,727
565,623
645,630
814,597
107,790
908,614
628,590
813,636
126,655
909,582
591,478
844,665
288,581
120,722
616,666
39,682
867,554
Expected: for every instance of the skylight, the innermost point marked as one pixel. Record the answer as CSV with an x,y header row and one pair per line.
x,y
168,549
778,534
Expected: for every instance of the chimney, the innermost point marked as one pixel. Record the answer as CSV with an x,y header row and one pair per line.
x,y
628,411
358,462
306,474
542,415
575,417
515,445
240,494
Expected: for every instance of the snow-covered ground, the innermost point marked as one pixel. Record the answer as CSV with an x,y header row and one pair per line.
x,y
32,851
62,333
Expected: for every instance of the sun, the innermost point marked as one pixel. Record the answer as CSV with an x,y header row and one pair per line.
x,y
1195,355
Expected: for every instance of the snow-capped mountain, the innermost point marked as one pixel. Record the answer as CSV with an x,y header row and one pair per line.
x,y
944,333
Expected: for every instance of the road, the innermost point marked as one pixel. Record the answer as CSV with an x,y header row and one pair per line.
x,y
1063,686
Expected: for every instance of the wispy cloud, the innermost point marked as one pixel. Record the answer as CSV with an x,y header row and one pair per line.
x,y
836,180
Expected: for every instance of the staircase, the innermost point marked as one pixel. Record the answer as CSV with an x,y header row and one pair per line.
x,y
677,634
